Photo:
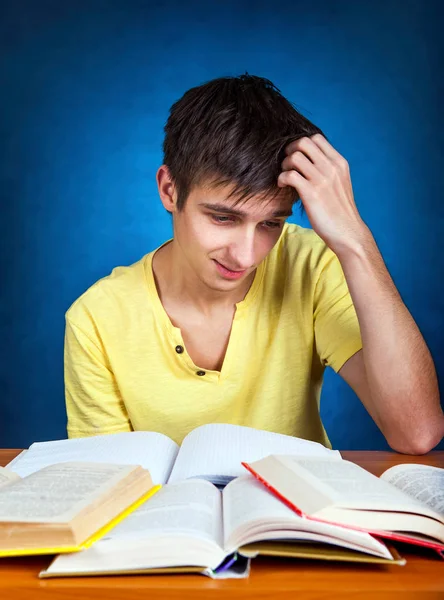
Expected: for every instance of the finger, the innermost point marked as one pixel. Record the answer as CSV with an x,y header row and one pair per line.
x,y
292,147
292,179
302,164
326,148
308,147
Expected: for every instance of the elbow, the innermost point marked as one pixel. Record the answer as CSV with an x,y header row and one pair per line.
x,y
413,447
419,443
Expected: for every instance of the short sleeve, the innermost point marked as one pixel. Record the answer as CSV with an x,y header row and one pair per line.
x,y
336,324
93,402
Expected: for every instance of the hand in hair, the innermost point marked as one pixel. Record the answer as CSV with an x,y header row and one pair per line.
x,y
321,177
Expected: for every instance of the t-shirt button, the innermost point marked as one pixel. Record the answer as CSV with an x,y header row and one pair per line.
x,y
179,349
200,373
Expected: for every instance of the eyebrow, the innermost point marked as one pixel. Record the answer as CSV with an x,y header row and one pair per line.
x,y
221,208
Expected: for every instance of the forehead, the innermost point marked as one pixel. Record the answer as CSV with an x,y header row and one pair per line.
x,y
255,207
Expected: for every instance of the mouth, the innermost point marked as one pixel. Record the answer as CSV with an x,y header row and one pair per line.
x,y
228,273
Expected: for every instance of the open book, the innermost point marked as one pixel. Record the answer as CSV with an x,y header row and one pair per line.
x,y
66,507
405,503
189,506
193,523
213,452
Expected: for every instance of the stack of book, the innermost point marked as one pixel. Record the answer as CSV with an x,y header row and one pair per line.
x,y
138,503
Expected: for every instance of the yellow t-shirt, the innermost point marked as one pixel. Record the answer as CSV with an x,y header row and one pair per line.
x,y
123,373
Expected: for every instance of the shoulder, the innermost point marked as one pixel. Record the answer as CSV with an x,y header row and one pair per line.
x,y
300,250
124,287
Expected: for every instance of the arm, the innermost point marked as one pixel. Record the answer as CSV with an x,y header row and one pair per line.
x,y
93,402
393,374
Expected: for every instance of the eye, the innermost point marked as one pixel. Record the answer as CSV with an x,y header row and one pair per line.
x,y
272,224
222,219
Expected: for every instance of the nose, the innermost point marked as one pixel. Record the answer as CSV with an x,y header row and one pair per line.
x,y
242,250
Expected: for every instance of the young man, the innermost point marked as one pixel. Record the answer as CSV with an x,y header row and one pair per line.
x,y
236,317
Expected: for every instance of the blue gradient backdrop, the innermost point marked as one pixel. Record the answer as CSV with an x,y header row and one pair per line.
x,y
86,88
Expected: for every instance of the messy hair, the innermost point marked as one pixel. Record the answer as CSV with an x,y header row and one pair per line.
x,y
232,131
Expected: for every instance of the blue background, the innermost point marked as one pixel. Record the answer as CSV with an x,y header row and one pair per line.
x,y
86,88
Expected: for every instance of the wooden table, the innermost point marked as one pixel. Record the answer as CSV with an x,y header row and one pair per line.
x,y
421,578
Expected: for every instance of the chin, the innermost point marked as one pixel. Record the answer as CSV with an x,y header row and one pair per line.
x,y
222,285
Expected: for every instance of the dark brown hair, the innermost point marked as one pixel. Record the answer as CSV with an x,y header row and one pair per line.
x,y
232,130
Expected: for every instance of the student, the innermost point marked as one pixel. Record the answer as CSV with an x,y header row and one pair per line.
x,y
235,319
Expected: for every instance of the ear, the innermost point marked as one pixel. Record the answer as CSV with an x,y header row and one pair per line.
x,y
167,189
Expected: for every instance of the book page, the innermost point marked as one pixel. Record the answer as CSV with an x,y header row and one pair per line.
x,y
181,525
422,482
7,477
319,486
215,452
192,508
346,484
248,506
152,451
58,492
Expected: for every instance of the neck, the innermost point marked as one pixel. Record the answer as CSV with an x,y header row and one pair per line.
x,y
176,279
